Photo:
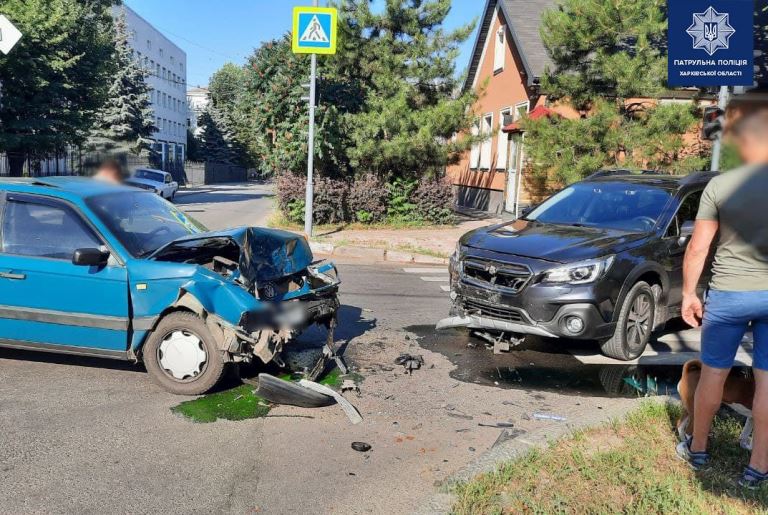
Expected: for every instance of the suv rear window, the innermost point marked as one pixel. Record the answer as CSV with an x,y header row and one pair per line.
x,y
611,205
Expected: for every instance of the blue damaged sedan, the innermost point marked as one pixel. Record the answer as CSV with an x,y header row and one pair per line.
x,y
101,270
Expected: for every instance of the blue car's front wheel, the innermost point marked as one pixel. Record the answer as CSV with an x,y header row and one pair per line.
x,y
181,355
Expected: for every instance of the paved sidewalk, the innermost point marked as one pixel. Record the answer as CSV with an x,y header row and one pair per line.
x,y
419,245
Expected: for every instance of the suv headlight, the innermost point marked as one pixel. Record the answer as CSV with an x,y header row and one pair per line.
x,y
583,272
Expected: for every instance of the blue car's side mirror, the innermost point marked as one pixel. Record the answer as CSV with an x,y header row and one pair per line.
x,y
90,257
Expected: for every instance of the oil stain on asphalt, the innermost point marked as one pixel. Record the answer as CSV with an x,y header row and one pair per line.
x,y
542,365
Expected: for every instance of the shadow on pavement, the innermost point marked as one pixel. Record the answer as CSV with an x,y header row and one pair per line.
x,y
70,360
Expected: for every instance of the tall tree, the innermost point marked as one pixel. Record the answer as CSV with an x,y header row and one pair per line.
x,y
404,60
216,137
606,52
56,78
605,47
386,100
125,123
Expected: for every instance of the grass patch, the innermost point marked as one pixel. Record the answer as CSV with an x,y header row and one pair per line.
x,y
626,466
236,404
421,250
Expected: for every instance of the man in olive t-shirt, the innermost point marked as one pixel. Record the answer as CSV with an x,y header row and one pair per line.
x,y
735,206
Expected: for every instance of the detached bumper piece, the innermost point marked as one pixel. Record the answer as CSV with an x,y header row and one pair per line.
x,y
479,322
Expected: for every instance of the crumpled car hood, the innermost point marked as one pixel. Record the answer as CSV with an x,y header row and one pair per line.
x,y
265,254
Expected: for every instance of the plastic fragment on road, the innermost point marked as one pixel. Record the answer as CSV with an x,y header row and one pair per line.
x,y
549,416
410,362
361,446
349,409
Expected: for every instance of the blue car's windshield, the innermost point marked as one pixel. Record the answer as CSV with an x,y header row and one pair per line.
x,y
609,205
142,221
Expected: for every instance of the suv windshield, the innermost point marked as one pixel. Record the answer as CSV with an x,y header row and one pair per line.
x,y
152,176
611,205
142,221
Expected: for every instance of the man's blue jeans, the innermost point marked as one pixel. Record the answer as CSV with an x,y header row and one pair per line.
x,y
727,316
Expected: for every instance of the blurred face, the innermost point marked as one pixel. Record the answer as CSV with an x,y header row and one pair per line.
x,y
753,147
108,174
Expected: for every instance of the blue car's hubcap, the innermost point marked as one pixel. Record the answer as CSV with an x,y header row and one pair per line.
x,y
182,355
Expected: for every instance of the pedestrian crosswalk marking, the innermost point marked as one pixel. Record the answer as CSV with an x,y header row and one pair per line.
x,y
425,270
431,275
445,288
314,32
652,357
435,279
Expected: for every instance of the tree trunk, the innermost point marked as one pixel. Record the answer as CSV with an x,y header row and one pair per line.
x,y
16,164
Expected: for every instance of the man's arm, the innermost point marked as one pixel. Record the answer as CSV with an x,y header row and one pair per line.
x,y
693,265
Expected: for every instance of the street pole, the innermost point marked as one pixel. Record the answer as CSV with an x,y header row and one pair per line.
x,y
717,146
311,157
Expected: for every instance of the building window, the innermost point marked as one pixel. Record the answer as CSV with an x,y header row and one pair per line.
x,y
161,52
149,44
500,49
486,147
502,145
474,155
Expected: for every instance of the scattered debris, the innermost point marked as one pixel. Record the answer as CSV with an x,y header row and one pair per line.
x,y
361,447
498,425
507,435
350,385
349,409
279,391
459,415
410,362
548,416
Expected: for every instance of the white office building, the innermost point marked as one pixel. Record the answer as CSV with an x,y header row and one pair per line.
x,y
197,100
167,66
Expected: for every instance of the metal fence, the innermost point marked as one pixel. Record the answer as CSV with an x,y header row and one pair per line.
x,y
76,162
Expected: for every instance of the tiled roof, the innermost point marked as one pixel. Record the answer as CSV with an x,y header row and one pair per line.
x,y
523,18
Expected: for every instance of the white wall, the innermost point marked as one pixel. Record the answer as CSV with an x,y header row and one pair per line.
x,y
167,65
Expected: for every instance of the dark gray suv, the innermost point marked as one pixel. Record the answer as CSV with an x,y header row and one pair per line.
x,y
600,260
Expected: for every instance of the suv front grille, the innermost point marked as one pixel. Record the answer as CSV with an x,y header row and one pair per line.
x,y
506,277
475,307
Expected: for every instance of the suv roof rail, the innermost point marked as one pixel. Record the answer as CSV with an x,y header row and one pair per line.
x,y
623,171
697,177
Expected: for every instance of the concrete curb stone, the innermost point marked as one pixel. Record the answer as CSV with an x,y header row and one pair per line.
x,y
374,254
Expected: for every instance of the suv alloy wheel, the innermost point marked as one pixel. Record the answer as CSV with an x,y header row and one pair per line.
x,y
635,324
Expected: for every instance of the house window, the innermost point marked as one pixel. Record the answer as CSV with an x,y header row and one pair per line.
x,y
474,155
500,50
149,44
502,145
486,147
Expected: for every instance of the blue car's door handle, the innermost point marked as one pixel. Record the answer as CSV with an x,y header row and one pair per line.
x,y
10,275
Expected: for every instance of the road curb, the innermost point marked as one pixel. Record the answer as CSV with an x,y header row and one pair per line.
x,y
443,501
374,254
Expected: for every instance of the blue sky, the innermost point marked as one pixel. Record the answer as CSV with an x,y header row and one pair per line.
x,y
215,32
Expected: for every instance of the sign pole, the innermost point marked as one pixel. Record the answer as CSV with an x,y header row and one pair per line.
x,y
311,157
309,200
717,146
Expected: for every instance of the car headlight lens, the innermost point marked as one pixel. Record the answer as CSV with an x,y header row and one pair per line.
x,y
583,272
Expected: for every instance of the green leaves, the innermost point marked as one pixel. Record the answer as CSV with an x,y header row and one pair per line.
x,y
605,47
385,99
57,77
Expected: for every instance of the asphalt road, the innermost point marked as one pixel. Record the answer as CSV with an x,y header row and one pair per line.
x,y
83,435
227,205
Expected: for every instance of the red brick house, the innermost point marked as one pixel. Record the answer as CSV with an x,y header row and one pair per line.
x,y
507,63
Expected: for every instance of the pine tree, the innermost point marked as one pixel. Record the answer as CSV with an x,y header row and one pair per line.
x,y
56,78
605,48
126,121
216,137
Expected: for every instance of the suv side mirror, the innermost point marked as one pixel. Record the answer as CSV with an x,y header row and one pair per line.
x,y
526,211
686,231
90,257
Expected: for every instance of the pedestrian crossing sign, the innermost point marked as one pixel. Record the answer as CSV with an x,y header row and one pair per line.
x,y
314,30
